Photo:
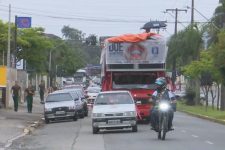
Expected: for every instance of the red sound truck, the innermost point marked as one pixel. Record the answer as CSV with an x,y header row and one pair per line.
x,y
132,62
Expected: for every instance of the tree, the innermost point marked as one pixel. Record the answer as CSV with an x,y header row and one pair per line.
x,y
3,41
205,71
34,48
184,48
219,55
72,34
91,40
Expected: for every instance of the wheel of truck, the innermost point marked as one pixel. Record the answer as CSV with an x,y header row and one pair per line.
x,y
134,128
95,130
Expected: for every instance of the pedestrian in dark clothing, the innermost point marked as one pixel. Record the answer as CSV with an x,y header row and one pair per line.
x,y
16,93
29,97
42,91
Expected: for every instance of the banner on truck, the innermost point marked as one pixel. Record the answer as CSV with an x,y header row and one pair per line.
x,y
147,52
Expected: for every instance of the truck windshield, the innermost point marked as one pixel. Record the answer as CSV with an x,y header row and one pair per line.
x,y
134,80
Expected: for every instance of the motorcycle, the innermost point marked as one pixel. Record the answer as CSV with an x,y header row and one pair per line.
x,y
163,109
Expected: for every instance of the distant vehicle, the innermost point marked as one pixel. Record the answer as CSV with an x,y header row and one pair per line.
x,y
60,105
80,77
97,80
73,86
180,94
92,93
114,110
69,81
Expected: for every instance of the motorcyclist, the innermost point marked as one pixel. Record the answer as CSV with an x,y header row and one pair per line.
x,y
162,92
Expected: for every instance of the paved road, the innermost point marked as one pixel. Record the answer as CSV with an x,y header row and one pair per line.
x,y
190,133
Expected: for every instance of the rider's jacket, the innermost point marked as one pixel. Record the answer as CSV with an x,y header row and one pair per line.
x,y
165,95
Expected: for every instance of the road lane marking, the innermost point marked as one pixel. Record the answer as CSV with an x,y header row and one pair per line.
x,y
184,131
10,141
209,142
195,136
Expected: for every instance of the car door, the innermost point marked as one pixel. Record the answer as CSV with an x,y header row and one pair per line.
x,y
77,100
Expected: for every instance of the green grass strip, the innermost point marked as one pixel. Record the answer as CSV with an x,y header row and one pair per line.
x,y
201,110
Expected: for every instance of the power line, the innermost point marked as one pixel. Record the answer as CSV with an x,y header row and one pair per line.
x,y
208,20
177,20
49,12
176,15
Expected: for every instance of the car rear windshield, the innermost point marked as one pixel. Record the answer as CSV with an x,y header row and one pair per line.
x,y
59,97
113,98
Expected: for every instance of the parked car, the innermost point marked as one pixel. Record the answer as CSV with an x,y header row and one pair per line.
x,y
60,105
81,103
83,97
114,110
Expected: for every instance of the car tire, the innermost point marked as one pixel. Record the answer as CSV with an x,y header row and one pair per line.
x,y
134,128
75,117
95,130
46,120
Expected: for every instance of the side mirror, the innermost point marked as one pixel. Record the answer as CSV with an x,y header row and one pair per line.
x,y
76,99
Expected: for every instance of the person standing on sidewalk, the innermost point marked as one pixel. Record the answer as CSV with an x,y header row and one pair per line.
x,y
16,93
29,97
42,91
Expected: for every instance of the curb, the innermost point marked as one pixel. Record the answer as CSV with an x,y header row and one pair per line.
x,y
204,117
27,130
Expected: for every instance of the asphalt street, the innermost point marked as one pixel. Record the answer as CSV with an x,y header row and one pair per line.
x,y
190,134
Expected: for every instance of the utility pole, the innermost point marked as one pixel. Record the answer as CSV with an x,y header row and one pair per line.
x,y
192,12
8,61
176,16
15,42
175,32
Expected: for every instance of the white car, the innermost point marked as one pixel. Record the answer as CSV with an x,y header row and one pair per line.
x,y
60,105
92,93
114,110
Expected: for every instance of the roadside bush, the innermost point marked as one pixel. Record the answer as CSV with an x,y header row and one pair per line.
x,y
190,95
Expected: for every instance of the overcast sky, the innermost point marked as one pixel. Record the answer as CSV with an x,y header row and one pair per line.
x,y
104,17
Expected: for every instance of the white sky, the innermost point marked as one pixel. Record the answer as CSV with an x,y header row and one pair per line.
x,y
77,11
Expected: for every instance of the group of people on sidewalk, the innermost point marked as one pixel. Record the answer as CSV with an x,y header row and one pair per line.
x,y
28,95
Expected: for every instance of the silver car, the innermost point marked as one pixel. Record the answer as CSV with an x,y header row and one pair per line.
x,y
60,105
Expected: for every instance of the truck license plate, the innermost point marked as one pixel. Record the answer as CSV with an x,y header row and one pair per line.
x,y
113,122
60,112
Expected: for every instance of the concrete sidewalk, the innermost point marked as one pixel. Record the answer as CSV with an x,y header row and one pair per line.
x,y
13,124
